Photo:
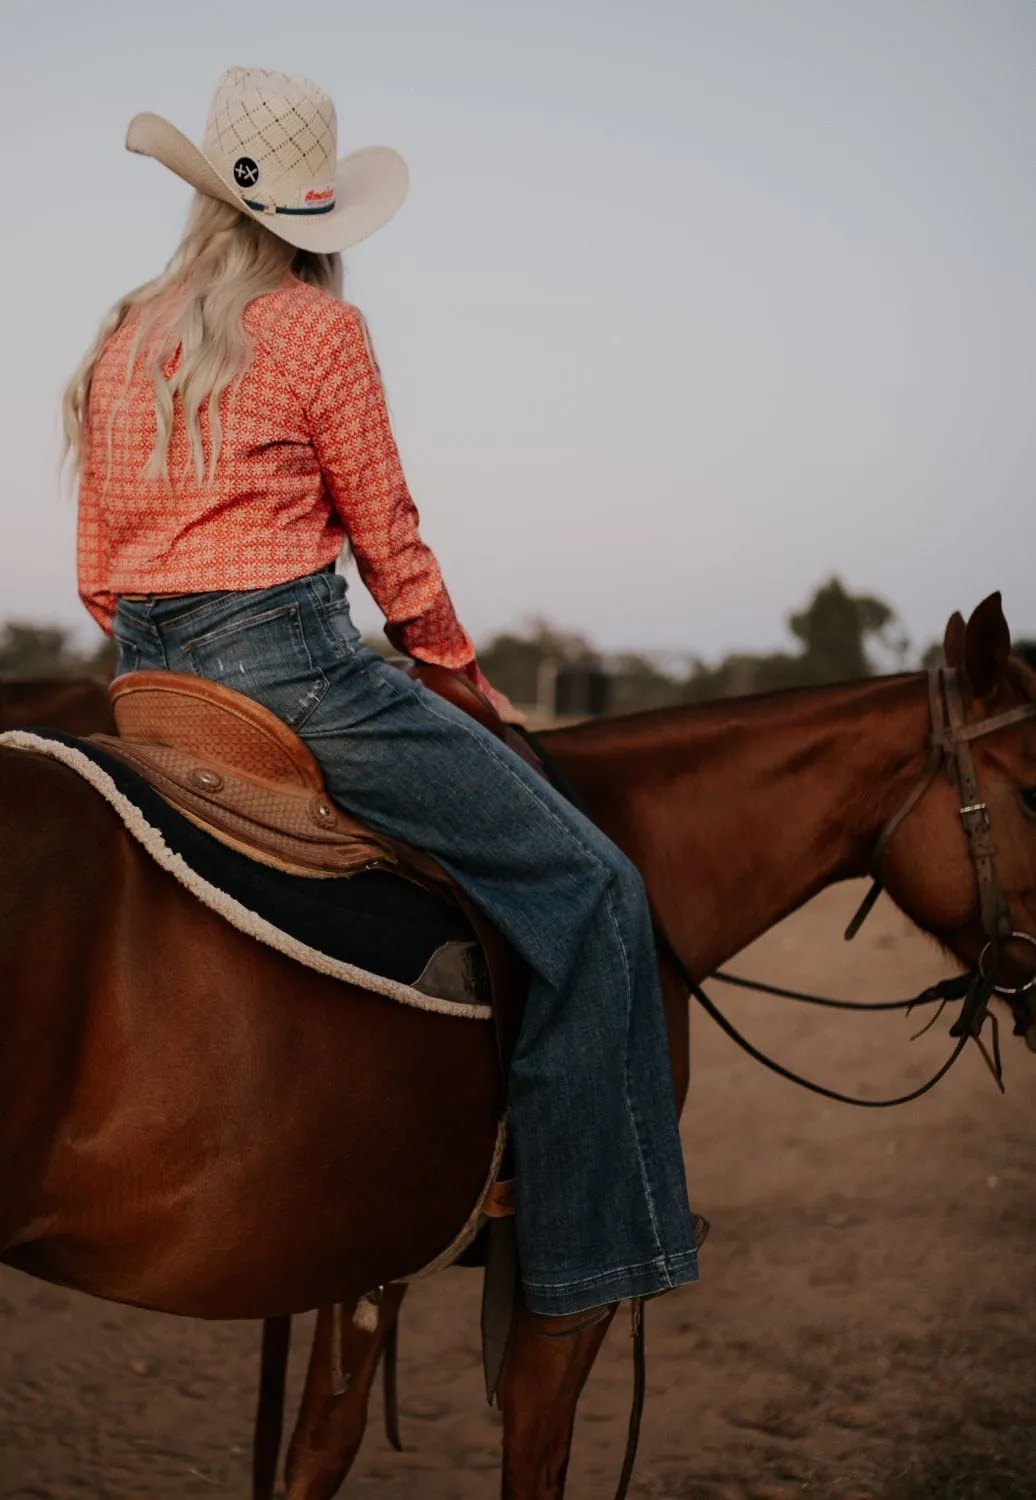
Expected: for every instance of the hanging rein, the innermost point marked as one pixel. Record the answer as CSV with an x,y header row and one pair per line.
x,y
949,751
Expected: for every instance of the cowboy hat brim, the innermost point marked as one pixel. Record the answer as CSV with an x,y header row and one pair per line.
x,y
370,186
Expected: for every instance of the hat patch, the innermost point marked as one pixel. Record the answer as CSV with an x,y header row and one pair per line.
x,y
317,197
246,172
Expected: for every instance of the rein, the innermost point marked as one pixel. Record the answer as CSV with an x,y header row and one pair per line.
x,y
979,990
949,750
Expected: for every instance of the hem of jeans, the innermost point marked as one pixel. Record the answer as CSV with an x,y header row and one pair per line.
x,y
553,1299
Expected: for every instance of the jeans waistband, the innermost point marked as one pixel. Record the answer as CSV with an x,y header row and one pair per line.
x,y
150,611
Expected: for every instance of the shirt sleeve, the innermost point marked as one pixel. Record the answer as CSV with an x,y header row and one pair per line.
x,y
352,437
92,544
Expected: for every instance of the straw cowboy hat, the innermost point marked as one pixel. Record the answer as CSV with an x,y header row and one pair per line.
x,y
270,150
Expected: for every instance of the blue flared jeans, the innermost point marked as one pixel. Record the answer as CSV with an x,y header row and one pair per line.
x,y
602,1210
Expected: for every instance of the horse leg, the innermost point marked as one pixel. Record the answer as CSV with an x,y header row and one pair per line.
x,y
269,1417
330,1427
390,1384
547,1365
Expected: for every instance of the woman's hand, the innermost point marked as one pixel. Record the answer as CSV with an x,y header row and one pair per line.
x,y
503,705
507,711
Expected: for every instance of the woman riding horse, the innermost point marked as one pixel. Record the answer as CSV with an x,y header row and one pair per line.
x,y
231,435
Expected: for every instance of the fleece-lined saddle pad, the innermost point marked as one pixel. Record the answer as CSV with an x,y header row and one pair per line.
x,y
373,929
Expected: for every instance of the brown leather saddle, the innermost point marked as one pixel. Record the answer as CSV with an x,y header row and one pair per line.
x,y
240,774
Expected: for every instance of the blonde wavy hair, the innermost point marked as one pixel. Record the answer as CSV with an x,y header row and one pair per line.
x,y
224,261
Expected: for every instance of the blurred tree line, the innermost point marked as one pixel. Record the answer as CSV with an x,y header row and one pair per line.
x,y
837,637
49,651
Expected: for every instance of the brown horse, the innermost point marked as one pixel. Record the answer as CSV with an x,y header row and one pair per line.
x,y
77,705
192,1124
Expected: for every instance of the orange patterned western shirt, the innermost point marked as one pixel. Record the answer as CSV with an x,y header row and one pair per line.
x,y
307,462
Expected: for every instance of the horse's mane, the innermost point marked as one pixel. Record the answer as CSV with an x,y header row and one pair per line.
x,y
748,708
745,708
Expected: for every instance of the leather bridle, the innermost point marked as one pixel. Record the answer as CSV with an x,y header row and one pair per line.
x,y
949,751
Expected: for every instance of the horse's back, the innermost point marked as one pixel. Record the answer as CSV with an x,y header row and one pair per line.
x,y
73,705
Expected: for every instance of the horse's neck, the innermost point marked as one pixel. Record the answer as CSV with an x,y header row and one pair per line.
x,y
737,812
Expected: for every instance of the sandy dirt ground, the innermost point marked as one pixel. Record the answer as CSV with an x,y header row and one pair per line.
x,y
865,1325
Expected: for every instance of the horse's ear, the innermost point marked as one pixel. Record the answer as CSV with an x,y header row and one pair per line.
x,y
953,641
987,646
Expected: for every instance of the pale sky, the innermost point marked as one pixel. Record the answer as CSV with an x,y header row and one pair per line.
x,y
692,304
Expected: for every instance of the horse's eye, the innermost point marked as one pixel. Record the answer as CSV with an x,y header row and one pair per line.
x,y
1029,798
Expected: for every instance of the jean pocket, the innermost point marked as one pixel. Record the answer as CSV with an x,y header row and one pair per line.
x,y
265,656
